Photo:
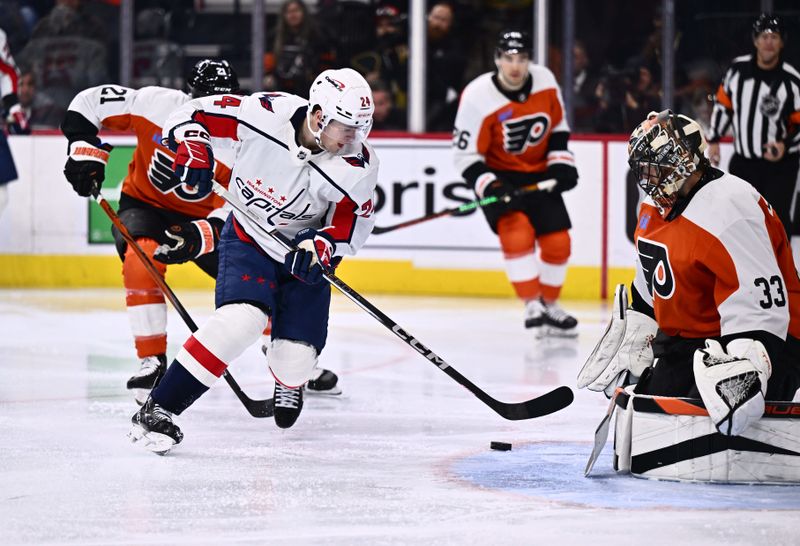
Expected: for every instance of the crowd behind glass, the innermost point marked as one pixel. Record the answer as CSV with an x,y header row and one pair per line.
x,y
64,46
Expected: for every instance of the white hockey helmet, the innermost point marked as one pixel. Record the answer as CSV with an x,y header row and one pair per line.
x,y
345,99
663,151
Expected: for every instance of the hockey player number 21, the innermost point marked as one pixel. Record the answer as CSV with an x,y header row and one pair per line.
x,y
112,94
766,286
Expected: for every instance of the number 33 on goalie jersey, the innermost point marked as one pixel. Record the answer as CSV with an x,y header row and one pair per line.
x,y
722,267
143,111
511,135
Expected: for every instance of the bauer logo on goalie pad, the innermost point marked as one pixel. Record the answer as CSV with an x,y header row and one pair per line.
x,y
519,133
656,267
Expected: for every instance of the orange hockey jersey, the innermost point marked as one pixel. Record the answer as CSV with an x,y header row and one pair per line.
x,y
722,267
150,178
495,133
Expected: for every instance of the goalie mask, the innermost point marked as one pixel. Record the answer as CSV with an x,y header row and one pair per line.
x,y
345,100
663,151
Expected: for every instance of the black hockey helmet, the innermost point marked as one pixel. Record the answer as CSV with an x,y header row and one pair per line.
x,y
210,77
513,41
767,22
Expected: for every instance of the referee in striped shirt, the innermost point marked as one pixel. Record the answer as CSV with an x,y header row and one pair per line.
x,y
760,98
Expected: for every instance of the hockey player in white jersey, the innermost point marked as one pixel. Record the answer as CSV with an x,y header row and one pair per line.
x,y
305,169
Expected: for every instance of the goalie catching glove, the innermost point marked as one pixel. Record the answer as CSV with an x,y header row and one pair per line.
x,y
190,240
86,166
314,252
733,383
624,348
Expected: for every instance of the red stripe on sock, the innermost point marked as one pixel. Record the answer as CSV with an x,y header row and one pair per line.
x,y
204,356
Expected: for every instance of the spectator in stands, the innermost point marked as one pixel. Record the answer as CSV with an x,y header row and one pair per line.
x,y
42,113
386,117
388,61
297,50
445,68
67,52
585,100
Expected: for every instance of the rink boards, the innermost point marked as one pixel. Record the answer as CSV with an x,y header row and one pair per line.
x,y
50,239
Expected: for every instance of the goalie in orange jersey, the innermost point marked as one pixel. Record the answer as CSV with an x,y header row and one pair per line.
x,y
511,132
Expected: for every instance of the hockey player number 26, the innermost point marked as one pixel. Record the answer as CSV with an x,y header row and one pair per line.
x,y
766,286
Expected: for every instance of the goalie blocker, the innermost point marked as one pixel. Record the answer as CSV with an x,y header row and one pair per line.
x,y
666,438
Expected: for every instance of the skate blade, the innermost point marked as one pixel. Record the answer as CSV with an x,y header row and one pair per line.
x,y
556,332
159,444
335,391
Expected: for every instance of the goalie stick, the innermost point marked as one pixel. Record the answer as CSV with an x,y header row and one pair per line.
x,y
466,207
547,403
256,408
601,433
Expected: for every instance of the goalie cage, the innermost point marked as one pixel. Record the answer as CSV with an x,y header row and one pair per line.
x,y
664,438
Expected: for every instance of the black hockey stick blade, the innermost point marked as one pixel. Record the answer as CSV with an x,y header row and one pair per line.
x,y
548,403
256,408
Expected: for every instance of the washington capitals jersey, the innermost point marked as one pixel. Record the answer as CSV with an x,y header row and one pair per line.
x,y
9,75
722,267
523,131
284,185
150,178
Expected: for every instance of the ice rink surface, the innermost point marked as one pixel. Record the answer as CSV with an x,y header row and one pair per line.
x,y
402,457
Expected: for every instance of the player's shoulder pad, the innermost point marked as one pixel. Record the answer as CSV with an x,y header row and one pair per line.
x,y
270,107
543,78
157,103
354,173
722,202
480,96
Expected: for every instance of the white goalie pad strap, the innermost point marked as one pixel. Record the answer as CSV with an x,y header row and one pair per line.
x,y
673,439
625,346
732,384
291,362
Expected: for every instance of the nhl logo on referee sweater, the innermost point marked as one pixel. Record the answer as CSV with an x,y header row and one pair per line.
x,y
769,106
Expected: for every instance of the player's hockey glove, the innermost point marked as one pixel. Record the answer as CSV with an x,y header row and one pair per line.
x,y
189,241
194,160
733,383
86,166
16,120
503,191
566,177
314,252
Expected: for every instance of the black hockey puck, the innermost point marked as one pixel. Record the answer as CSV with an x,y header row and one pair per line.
x,y
500,446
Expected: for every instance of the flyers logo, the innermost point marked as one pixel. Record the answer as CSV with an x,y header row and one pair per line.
x,y
519,133
656,268
359,160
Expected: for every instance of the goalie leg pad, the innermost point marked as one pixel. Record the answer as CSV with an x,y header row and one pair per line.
x,y
292,362
673,439
622,432
732,384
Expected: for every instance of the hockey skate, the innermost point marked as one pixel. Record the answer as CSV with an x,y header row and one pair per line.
x,y
153,428
558,322
288,404
534,315
151,371
324,382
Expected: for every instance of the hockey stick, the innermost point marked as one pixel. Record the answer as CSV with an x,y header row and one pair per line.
x,y
472,205
256,408
550,402
601,433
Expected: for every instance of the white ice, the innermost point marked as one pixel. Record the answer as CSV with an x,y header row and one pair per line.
x,y
402,457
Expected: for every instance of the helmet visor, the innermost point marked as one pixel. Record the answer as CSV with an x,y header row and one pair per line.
x,y
336,135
